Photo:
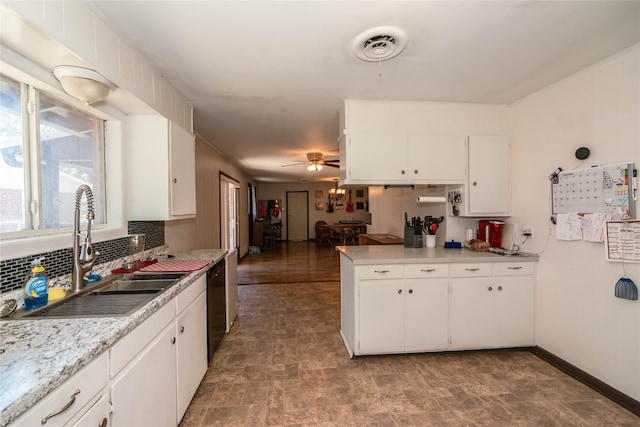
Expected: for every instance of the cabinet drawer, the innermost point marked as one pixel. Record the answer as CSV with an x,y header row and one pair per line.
x,y
390,271
76,392
188,295
417,271
131,344
471,270
513,268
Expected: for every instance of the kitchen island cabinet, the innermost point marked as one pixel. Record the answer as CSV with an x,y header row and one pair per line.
x,y
395,302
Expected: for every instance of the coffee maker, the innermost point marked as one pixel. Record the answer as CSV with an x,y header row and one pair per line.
x,y
490,230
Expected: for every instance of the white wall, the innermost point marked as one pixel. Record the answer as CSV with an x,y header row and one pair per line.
x,y
577,316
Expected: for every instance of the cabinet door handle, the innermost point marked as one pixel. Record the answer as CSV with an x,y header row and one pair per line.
x,y
381,271
429,270
72,400
415,171
499,288
410,291
181,329
515,268
103,423
475,183
490,288
472,269
402,172
399,291
173,340
175,180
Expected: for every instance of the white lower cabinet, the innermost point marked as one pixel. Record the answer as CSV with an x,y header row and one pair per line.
x,y
191,349
490,309
381,317
72,400
414,308
157,367
97,415
404,313
144,392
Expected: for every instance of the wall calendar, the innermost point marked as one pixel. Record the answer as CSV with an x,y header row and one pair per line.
x,y
601,189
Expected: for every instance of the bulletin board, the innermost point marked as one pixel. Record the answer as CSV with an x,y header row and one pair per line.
x,y
602,189
622,241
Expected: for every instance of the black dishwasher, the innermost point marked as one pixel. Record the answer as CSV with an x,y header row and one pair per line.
x,y
216,306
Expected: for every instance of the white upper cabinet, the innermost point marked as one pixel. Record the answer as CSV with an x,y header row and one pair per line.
x,y
399,158
395,142
487,189
161,183
489,177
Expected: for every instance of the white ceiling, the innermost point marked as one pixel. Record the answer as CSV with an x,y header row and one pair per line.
x,y
266,78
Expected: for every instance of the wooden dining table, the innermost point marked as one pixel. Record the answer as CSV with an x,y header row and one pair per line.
x,y
338,228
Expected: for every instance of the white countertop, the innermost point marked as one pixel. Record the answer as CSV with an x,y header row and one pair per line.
x,y
398,254
37,356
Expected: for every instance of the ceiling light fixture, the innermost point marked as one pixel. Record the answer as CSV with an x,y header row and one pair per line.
x,y
314,167
379,43
84,84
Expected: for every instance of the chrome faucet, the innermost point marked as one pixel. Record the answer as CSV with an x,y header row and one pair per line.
x,y
83,254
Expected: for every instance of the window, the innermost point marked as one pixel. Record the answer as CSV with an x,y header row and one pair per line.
x,y
48,149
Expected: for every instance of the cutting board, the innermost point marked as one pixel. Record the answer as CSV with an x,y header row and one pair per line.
x,y
176,265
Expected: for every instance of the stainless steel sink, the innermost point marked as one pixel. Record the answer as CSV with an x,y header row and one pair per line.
x,y
113,296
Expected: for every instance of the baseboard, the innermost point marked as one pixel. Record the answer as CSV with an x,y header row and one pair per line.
x,y
606,390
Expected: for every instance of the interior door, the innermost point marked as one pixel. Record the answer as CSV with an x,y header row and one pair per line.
x,y
229,212
297,215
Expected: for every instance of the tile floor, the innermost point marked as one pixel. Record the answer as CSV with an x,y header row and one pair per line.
x,y
284,364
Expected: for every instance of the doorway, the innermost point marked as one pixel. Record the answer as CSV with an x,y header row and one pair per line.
x,y
297,215
229,212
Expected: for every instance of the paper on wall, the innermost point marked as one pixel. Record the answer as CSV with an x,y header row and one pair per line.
x,y
568,227
593,226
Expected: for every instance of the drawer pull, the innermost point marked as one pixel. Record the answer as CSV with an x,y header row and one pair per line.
x,y
428,270
72,400
410,291
181,329
472,269
490,288
173,340
499,288
381,271
515,268
399,291
103,423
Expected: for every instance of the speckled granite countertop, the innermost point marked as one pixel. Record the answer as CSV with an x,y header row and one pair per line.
x,y
398,254
37,356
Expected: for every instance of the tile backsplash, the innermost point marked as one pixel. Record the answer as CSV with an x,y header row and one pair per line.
x,y
58,263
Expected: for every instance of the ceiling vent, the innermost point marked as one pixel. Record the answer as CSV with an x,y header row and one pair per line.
x,y
379,43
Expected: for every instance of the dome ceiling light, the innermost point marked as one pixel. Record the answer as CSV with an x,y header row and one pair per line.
x,y
379,43
84,84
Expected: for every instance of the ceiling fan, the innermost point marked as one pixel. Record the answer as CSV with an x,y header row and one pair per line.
x,y
316,162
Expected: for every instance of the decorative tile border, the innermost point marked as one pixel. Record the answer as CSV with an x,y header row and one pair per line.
x,y
13,272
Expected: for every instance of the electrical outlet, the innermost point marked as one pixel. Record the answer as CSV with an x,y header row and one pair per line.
x,y
527,232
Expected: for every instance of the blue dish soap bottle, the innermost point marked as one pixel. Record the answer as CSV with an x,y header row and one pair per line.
x,y
36,287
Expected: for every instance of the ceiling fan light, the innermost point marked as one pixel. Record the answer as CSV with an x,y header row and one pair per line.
x,y
314,167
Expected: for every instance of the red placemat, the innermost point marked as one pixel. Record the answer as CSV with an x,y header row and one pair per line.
x,y
177,265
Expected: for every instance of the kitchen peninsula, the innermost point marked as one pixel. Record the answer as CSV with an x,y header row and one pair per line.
x,y
410,300
45,362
